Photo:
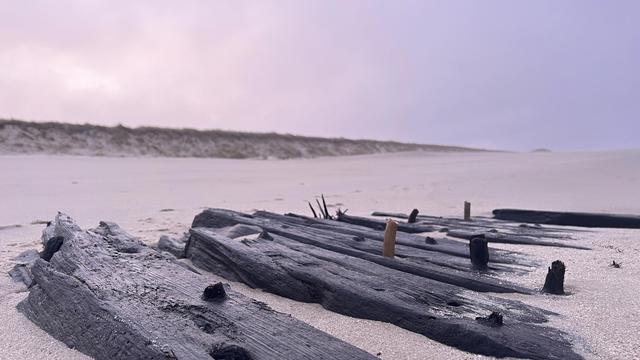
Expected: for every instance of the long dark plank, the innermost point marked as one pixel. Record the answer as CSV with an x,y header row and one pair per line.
x,y
477,223
491,234
496,237
596,220
379,225
108,295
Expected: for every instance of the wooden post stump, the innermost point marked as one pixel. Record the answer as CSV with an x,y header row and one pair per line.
x,y
413,216
479,252
554,283
389,244
467,210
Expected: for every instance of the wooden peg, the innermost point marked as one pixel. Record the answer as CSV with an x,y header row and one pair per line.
x,y
389,245
467,210
554,283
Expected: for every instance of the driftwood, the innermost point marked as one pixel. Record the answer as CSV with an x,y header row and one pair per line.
x,y
598,220
286,263
108,295
356,247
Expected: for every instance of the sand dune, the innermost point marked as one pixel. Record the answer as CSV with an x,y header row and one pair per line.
x,y
20,137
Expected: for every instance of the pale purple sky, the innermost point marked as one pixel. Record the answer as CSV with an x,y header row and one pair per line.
x,y
500,74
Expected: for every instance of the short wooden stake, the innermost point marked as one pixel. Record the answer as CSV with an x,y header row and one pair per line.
x,y
467,210
389,245
554,283
479,252
413,216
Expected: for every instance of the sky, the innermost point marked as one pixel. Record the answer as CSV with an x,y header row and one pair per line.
x,y
506,74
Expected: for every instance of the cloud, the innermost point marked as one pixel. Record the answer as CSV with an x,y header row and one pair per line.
x,y
496,73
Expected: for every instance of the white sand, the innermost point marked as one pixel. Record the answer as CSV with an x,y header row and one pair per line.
x,y
602,310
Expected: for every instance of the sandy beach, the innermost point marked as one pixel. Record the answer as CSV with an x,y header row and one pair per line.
x,y
153,196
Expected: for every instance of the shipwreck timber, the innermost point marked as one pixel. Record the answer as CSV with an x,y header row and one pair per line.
x,y
338,266
108,295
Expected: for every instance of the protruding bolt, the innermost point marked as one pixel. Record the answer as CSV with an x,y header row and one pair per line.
x,y
413,216
214,292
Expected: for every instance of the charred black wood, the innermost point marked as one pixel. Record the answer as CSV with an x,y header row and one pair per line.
x,y
50,248
479,252
599,220
467,211
413,216
313,211
324,215
109,296
326,211
554,282
214,292
360,288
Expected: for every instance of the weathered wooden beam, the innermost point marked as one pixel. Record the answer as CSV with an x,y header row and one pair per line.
x,y
219,218
441,245
360,288
408,246
497,237
599,220
480,222
380,225
109,296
